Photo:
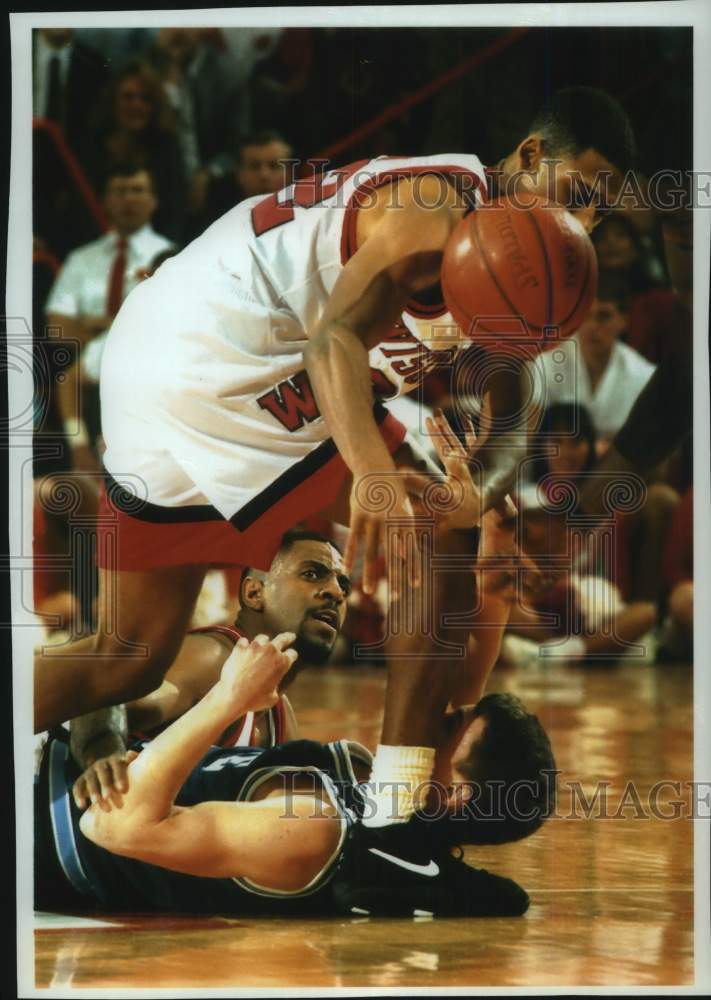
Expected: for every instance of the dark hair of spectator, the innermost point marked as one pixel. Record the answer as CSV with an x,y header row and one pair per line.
x,y
162,116
126,168
612,286
262,138
580,118
640,272
571,419
512,770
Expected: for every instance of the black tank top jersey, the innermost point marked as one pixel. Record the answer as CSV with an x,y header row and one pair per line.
x,y
224,774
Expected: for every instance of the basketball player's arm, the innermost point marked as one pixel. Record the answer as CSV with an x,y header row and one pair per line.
x,y
368,297
99,739
217,839
503,434
193,672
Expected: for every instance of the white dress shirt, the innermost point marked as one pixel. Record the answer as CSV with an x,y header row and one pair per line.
x,y
82,284
561,376
81,288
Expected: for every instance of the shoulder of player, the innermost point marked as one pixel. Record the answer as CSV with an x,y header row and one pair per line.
x,y
419,211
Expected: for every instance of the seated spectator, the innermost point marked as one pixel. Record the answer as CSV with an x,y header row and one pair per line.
x,y
654,314
593,620
593,367
260,166
205,94
135,124
93,283
622,248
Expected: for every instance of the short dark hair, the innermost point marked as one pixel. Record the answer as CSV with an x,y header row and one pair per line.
x,y
613,287
512,770
261,138
288,540
125,168
565,418
580,118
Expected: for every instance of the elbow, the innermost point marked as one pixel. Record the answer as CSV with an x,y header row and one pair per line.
x,y
111,829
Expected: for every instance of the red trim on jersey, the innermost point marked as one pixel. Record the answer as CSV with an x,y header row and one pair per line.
x,y
350,219
125,542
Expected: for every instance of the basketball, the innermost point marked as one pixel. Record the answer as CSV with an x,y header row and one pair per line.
x,y
532,264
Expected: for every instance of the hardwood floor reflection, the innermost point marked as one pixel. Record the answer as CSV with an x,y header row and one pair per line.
x,y
611,879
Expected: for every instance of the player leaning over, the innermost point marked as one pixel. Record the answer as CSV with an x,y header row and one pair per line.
x,y
238,392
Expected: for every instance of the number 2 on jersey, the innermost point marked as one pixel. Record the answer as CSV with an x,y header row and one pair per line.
x,y
270,212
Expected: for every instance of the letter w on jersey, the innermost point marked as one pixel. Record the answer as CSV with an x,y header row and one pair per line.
x,y
292,402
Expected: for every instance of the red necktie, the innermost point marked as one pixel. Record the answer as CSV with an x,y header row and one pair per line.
x,y
114,296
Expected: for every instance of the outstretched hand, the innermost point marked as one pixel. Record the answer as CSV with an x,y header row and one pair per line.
x,y
455,457
368,531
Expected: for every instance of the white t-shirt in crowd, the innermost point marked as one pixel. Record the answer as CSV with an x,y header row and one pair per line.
x,y
561,376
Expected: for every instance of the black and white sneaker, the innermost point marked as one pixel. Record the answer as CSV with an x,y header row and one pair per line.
x,y
405,870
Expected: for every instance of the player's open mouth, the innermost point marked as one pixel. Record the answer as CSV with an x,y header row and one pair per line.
x,y
328,617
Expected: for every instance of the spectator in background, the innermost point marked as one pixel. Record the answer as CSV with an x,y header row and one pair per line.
x,y
261,165
593,367
117,46
654,315
206,96
66,77
92,285
279,89
136,124
593,618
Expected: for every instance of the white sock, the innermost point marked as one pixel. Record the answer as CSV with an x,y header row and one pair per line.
x,y
398,785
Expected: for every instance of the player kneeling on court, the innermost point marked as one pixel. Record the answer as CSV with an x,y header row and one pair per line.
x,y
243,829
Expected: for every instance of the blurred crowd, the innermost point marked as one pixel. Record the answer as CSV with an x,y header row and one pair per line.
x,y
143,137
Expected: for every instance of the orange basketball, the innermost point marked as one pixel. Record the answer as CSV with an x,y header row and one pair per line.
x,y
520,274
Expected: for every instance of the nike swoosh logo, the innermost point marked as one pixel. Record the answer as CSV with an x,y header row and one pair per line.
x,y
431,869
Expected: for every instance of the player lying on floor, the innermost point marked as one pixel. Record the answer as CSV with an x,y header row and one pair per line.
x,y
209,829
487,781
304,591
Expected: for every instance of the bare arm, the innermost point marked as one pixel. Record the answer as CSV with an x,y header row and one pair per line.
x,y
213,839
503,434
193,672
402,250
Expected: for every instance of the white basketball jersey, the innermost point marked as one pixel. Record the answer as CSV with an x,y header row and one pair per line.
x,y
204,391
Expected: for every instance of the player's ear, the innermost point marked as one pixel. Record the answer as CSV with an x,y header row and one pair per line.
x,y
252,595
530,152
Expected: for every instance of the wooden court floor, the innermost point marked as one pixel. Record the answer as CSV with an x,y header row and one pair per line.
x,y
612,896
